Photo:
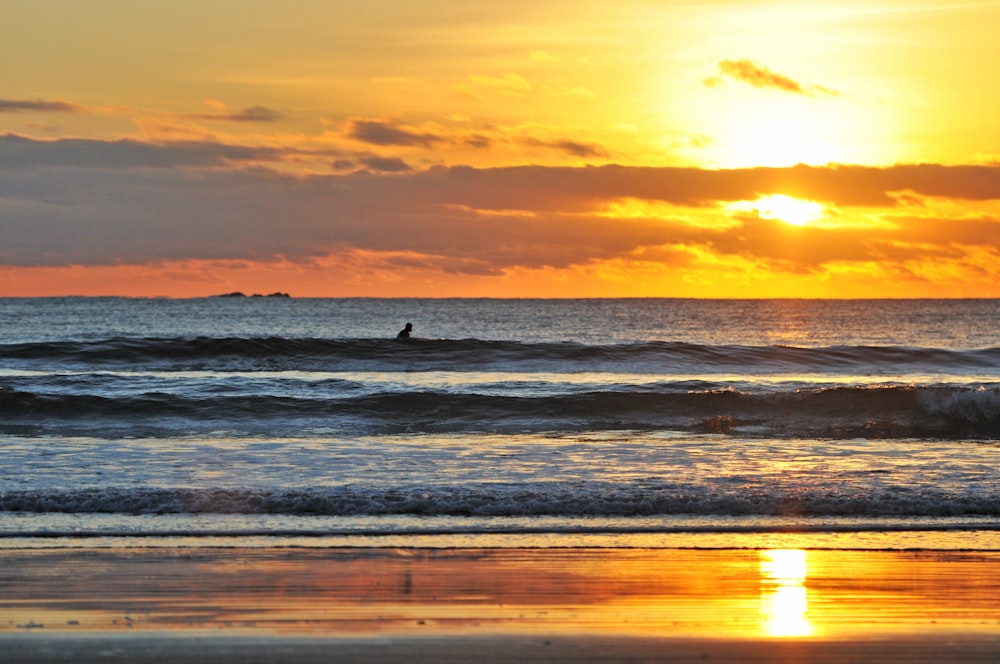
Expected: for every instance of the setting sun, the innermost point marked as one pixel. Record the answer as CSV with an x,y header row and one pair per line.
x,y
780,207
784,597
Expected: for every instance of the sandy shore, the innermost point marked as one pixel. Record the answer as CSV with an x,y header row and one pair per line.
x,y
450,605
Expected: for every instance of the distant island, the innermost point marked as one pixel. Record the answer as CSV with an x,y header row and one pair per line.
x,y
239,294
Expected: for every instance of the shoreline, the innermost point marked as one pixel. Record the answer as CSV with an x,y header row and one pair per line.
x,y
403,604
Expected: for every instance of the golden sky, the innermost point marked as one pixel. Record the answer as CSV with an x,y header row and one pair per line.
x,y
515,149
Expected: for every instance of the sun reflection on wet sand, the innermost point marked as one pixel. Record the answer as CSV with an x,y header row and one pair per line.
x,y
660,593
784,598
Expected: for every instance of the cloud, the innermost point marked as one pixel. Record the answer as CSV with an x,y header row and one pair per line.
x,y
38,106
573,148
479,142
371,163
381,132
106,203
758,76
385,164
439,138
248,114
18,152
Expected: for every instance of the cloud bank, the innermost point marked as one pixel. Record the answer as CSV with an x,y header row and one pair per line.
x,y
87,202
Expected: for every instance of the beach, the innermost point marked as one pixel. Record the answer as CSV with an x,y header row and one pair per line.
x,y
275,479
471,332
497,604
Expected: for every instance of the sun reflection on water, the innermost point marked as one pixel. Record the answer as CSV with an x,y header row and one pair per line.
x,y
784,599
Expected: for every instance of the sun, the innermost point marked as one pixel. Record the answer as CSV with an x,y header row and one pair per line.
x,y
787,209
794,211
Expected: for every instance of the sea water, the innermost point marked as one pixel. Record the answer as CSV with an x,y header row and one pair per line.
x,y
597,422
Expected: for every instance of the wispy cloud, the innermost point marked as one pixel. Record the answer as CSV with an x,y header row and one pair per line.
x,y
385,132
248,114
38,106
746,71
574,148
391,133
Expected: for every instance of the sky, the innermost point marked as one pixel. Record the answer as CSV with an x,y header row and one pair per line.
x,y
550,148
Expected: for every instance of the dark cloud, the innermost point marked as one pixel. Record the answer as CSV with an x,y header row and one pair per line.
x,y
385,133
385,164
37,106
248,114
18,152
372,163
569,147
479,142
93,202
378,132
758,76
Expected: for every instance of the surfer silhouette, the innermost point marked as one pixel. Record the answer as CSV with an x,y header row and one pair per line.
x,y
405,332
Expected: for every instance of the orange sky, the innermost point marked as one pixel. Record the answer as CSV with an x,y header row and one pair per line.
x,y
382,148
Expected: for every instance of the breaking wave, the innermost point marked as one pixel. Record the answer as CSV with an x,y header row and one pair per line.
x,y
486,500
839,412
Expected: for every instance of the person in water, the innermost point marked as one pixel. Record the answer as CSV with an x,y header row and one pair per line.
x,y
405,332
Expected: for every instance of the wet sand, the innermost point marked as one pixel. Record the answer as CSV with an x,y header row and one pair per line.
x,y
449,605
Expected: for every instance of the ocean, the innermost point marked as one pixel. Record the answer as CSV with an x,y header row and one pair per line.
x,y
277,421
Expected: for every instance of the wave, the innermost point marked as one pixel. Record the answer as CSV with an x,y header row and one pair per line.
x,y
491,500
313,354
878,411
